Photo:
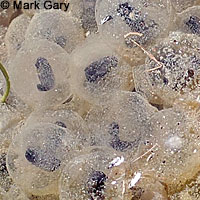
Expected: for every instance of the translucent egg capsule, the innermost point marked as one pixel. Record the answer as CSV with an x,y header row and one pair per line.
x,y
15,35
65,119
39,74
173,71
125,182
63,30
131,106
106,175
84,11
189,21
117,18
124,126
172,125
129,127
175,146
36,156
189,104
100,72
85,176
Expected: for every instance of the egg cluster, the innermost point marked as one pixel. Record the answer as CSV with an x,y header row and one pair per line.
x,y
104,101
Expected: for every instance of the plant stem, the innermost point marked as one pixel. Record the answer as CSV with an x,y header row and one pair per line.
x,y
6,93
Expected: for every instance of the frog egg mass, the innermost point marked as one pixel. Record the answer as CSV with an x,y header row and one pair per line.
x,y
100,100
